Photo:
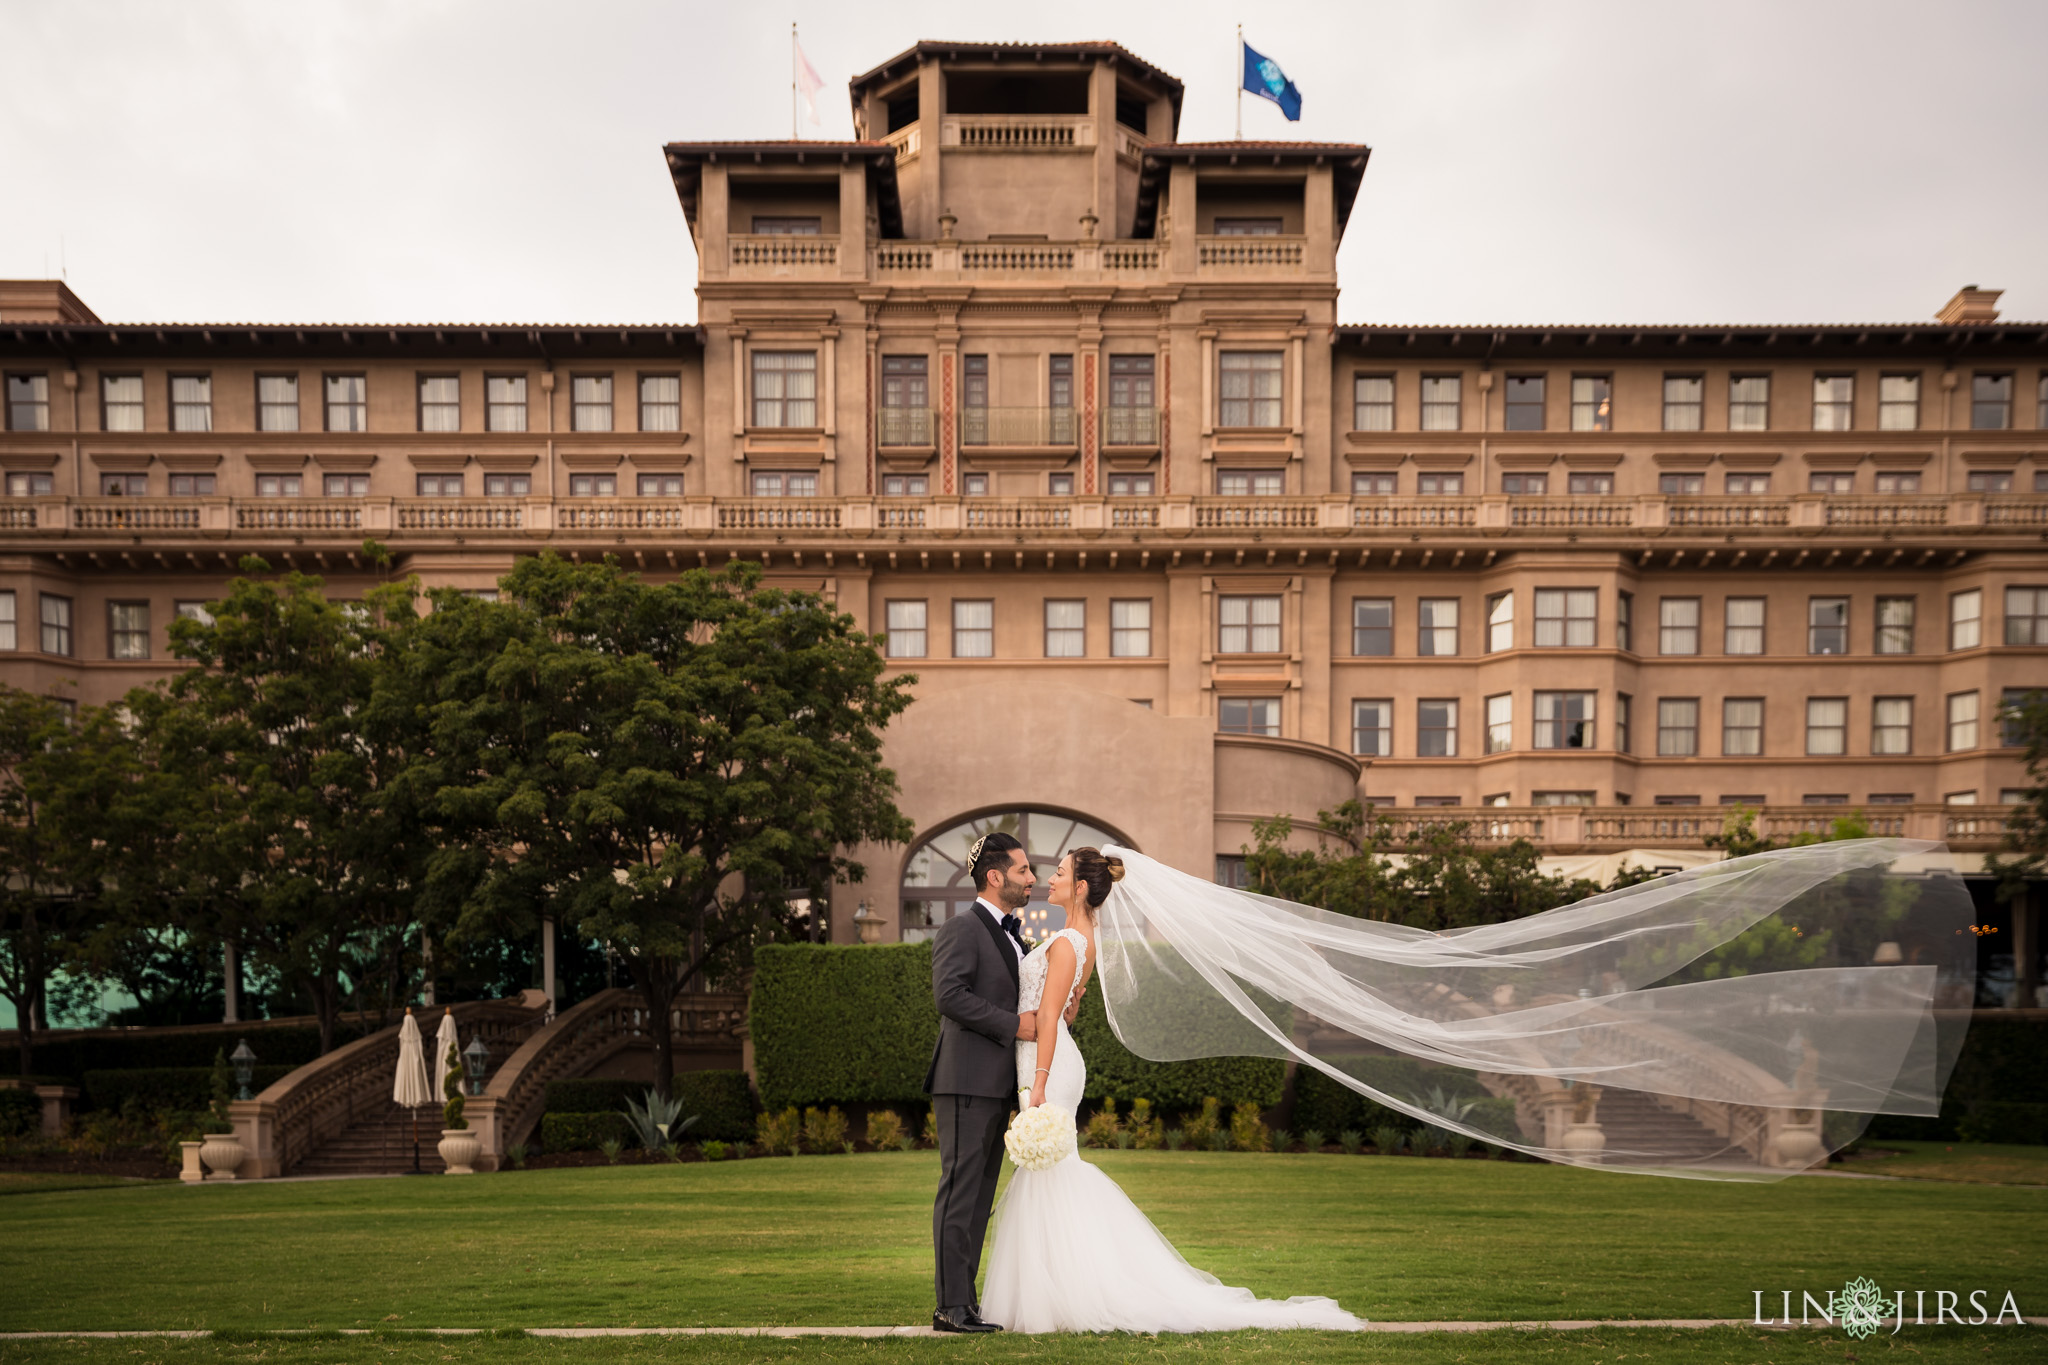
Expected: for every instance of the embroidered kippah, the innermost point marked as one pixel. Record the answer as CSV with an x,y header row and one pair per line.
x,y
974,853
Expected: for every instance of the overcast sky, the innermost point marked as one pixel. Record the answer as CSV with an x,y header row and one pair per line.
x,y
457,160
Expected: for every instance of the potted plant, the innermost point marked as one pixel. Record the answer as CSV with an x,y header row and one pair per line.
x,y
459,1147
1584,1135
218,1148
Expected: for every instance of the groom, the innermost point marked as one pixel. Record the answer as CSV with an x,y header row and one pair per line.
x,y
973,1079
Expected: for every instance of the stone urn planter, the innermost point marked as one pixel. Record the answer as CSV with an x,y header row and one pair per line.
x,y
1583,1139
222,1154
459,1148
1798,1146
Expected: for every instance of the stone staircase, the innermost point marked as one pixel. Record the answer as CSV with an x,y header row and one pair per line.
x,y
378,1143
1634,1122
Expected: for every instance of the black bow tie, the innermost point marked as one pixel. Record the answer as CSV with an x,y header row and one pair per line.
x,y
1014,927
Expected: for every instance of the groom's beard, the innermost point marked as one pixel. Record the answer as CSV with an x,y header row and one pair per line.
x,y
1013,897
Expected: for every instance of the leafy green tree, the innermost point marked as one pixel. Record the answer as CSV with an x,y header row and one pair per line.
x,y
2026,823
666,768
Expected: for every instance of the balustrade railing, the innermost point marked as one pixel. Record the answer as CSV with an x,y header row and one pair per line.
x,y
1884,511
778,514
1017,426
1413,513
622,514
1018,132
1572,511
1130,426
135,514
299,514
2016,511
461,514
1728,512
1016,256
1017,514
1249,252
1295,513
783,251
903,426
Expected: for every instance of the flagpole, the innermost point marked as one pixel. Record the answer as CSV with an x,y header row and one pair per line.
x,y
1239,82
792,82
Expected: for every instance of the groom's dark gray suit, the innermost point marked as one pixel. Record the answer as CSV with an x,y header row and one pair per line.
x,y
973,1085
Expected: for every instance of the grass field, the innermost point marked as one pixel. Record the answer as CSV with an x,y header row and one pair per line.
x,y
1982,1163
845,1240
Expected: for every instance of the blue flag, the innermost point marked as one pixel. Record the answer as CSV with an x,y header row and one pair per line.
x,y
1263,76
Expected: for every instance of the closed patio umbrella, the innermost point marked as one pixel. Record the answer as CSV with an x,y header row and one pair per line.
x,y
446,1045
410,1087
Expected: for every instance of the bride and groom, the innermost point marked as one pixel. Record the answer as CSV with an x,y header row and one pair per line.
x,y
1072,1253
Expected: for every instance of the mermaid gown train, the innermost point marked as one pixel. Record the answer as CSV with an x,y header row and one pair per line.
x,y
1072,1253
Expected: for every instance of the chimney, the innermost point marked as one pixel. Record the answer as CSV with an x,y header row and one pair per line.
x,y
1970,304
41,301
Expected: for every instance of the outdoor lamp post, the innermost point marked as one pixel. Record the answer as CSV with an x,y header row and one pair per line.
x,y
475,1058
245,1069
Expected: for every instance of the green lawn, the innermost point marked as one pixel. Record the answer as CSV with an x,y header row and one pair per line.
x,y
40,1182
844,1240
1978,1163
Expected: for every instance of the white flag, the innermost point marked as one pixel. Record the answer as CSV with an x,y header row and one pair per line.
x,y
808,81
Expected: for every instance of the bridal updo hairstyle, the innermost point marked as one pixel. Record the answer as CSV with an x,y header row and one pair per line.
x,y
1098,871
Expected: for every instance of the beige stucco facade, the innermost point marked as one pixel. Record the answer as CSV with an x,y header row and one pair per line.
x,y
1018,346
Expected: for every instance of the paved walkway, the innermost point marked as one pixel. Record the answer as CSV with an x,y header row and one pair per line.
x,y
1558,1325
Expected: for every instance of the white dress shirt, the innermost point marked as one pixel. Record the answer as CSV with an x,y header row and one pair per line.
x,y
997,916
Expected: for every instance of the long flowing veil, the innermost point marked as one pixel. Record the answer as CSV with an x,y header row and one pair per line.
x,y
1736,1021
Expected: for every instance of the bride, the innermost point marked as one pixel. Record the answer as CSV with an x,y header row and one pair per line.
x,y
1072,1253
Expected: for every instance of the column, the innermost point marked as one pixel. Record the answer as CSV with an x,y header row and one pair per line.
x,y
230,985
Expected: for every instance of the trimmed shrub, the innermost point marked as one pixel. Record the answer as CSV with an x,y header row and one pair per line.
x,y
583,1132
885,1130
21,1113
721,1100
1115,1070
165,1087
1389,1138
1320,1102
2001,1121
1103,1126
69,1059
825,1131
713,1151
780,1134
1147,1130
1248,1129
1198,1128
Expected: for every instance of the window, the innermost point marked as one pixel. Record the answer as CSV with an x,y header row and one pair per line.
x,y
1895,625
1827,725
1436,626
8,640
1990,402
1059,393
1130,485
191,402
596,485
1748,485
590,402
1372,727
1436,728
2012,733
277,403
906,630
1833,402
1500,723
1968,798
1373,485
1500,622
1524,485
974,630
192,485
1898,483
1523,403
1438,802
659,485
1247,227
1599,484
1990,481
771,483
1372,627
348,402
1592,403
766,226
1249,716
1891,725
1566,618
440,403
2026,616
1564,720
1130,628
358,485
974,485
1742,626
1442,402
1576,798
1061,485
1681,485
28,402
1965,619
786,389
1962,721
1827,625
1742,726
1678,625
1674,800
1258,483
1822,481
905,485
2040,413
1890,799
278,485
508,485
1066,629
1132,419
1826,799
1250,390
1625,621
1623,704
661,402
127,630
1749,402
1250,625
29,485
505,402
1232,871
1372,402
1684,400
1444,485
124,485
435,485
56,621
121,402
974,399
1678,727
1898,402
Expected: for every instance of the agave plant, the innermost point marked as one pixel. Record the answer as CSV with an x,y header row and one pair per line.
x,y
1435,1135
658,1122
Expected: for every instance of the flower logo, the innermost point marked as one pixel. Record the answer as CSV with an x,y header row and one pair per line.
x,y
1860,1307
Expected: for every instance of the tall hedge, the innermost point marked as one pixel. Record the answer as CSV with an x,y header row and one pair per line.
x,y
836,1024
167,1087
56,1055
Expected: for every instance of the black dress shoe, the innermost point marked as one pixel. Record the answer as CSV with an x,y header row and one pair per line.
x,y
960,1319
974,1316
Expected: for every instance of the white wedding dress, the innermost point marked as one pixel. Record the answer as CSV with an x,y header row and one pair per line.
x,y
1072,1252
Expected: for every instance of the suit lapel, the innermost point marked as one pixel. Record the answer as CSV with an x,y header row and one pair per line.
x,y
1005,948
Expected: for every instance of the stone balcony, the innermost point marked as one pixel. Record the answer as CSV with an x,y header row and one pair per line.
x,y
952,261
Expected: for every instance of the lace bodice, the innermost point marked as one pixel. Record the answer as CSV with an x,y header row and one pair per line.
x,y
1031,978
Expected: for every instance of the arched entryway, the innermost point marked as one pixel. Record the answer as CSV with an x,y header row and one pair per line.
x,y
936,885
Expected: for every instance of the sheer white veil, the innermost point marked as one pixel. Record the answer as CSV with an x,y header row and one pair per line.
x,y
1736,1021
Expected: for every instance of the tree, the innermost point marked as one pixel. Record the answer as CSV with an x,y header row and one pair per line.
x,y
2026,823
662,767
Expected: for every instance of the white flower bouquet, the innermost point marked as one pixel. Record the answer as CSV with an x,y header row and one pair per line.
x,y
1040,1138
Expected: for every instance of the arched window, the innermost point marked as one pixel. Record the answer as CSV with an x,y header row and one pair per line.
x,y
936,885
